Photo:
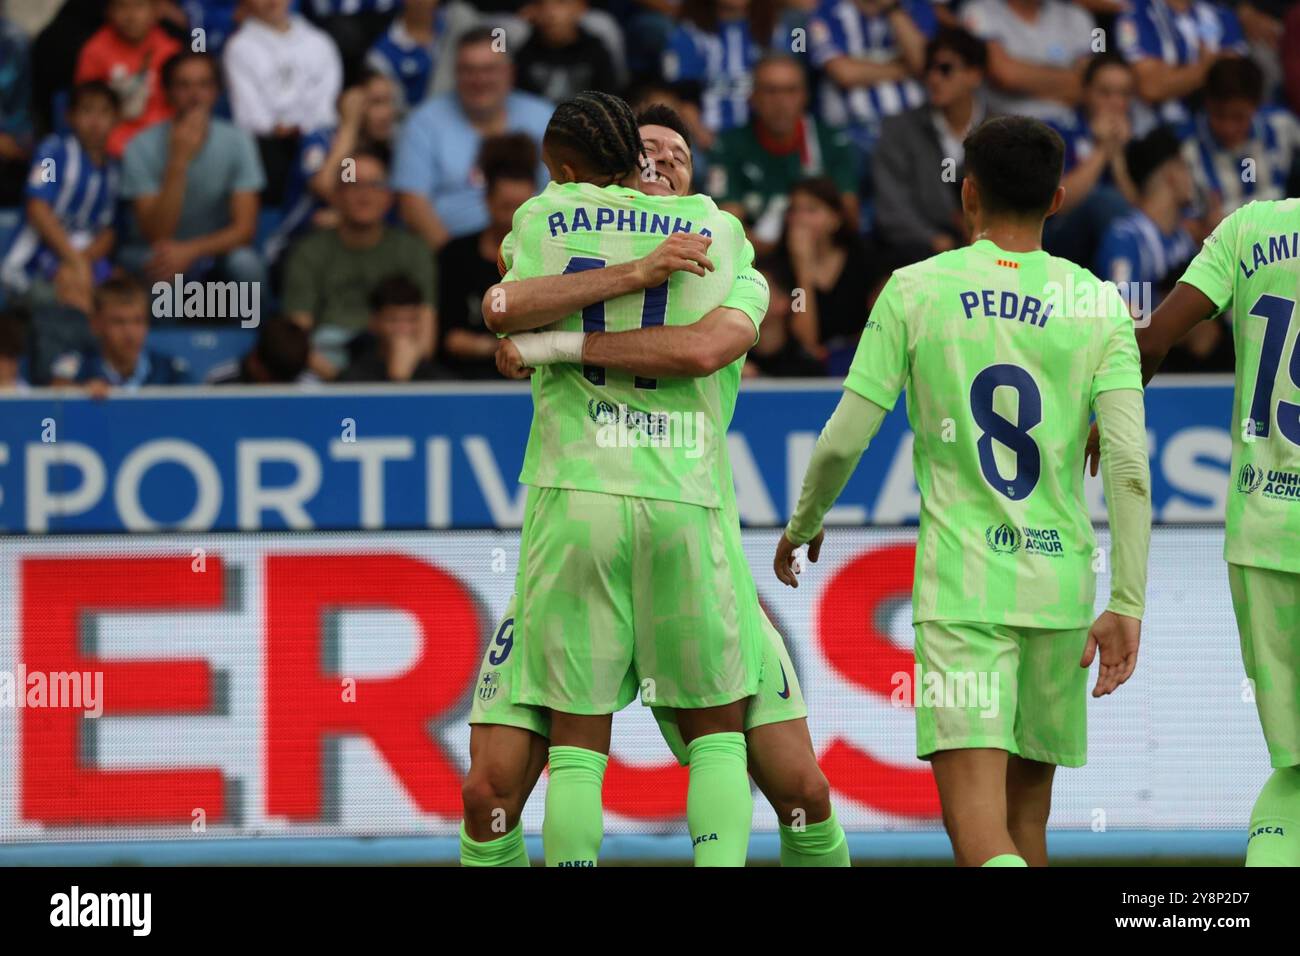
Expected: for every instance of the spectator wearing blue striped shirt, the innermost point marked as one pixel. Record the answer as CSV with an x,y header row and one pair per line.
x,y
717,45
66,235
1238,149
872,53
1144,252
409,52
1172,44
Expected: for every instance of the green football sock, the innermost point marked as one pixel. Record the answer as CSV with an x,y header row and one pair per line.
x,y
573,825
719,805
507,850
1005,859
1275,821
815,844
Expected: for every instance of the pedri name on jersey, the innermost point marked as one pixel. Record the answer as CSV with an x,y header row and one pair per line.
x,y
601,218
996,304
1279,248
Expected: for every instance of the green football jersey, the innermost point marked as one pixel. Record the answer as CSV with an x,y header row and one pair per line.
x,y
1252,260
1002,355
604,430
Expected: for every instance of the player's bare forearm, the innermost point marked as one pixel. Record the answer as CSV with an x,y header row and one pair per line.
x,y
1178,314
532,303
674,351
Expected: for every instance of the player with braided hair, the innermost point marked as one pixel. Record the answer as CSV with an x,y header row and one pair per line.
x,y
508,741
594,139
625,581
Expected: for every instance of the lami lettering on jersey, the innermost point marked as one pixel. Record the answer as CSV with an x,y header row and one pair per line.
x,y
1251,263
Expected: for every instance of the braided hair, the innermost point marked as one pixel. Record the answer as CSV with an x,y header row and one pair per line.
x,y
597,133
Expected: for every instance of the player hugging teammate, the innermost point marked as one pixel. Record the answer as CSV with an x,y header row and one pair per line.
x,y
631,574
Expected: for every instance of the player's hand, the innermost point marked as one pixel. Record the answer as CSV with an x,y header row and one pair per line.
x,y
1092,451
1117,636
509,362
680,252
784,563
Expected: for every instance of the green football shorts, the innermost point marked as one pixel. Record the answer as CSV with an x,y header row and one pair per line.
x,y
1017,689
612,585
779,696
1267,605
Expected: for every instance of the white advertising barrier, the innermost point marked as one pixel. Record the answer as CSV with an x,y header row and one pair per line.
x,y
199,687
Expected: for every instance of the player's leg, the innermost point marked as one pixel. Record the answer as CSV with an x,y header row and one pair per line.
x,y
507,747
1029,804
969,740
505,764
575,623
719,805
784,765
573,827
1051,730
698,651
1267,606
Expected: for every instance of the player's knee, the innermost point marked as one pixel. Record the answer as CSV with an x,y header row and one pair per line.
x,y
805,797
488,792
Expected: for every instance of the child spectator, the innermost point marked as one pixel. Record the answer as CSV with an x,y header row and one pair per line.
x,y
278,358
66,235
468,265
119,359
560,58
128,54
193,182
717,44
394,351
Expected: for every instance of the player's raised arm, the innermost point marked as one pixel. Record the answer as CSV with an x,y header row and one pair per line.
x,y
517,306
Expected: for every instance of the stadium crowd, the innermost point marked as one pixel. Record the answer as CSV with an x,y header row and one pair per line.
x,y
358,162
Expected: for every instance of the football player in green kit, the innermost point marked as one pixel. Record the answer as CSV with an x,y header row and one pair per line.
x,y
1251,264
1001,377
508,740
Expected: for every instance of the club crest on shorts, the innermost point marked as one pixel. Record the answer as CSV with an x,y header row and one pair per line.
x,y
489,685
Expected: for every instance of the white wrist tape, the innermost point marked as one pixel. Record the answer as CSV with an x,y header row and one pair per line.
x,y
549,348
